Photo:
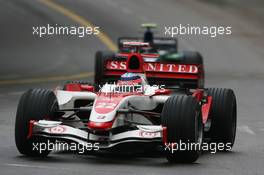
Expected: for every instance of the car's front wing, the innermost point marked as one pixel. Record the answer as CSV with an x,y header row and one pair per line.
x,y
61,132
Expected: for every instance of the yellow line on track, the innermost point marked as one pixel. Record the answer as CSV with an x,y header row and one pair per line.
x,y
82,22
47,79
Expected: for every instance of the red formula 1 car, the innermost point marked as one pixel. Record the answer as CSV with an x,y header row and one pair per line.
x,y
150,101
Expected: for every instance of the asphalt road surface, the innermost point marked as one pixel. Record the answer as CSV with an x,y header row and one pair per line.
x,y
27,61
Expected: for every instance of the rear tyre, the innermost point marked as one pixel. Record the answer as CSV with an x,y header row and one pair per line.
x,y
181,115
223,117
191,57
100,58
35,104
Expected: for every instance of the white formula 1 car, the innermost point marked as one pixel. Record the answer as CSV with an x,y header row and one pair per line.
x,y
129,113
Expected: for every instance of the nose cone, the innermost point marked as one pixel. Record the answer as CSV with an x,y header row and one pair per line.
x,y
104,111
100,125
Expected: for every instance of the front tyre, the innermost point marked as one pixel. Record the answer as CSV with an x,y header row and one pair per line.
x,y
181,115
35,104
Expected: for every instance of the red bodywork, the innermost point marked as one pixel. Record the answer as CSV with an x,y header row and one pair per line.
x,y
154,69
79,87
199,95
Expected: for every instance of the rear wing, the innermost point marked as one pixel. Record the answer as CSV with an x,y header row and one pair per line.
x,y
160,73
158,43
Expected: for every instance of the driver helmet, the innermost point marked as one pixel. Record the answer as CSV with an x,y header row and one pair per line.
x,y
132,81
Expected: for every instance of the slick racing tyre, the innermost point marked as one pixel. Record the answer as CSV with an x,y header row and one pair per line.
x,y
191,57
35,104
100,58
223,117
181,115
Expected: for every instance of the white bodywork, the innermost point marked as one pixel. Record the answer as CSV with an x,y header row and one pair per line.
x,y
73,132
148,101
